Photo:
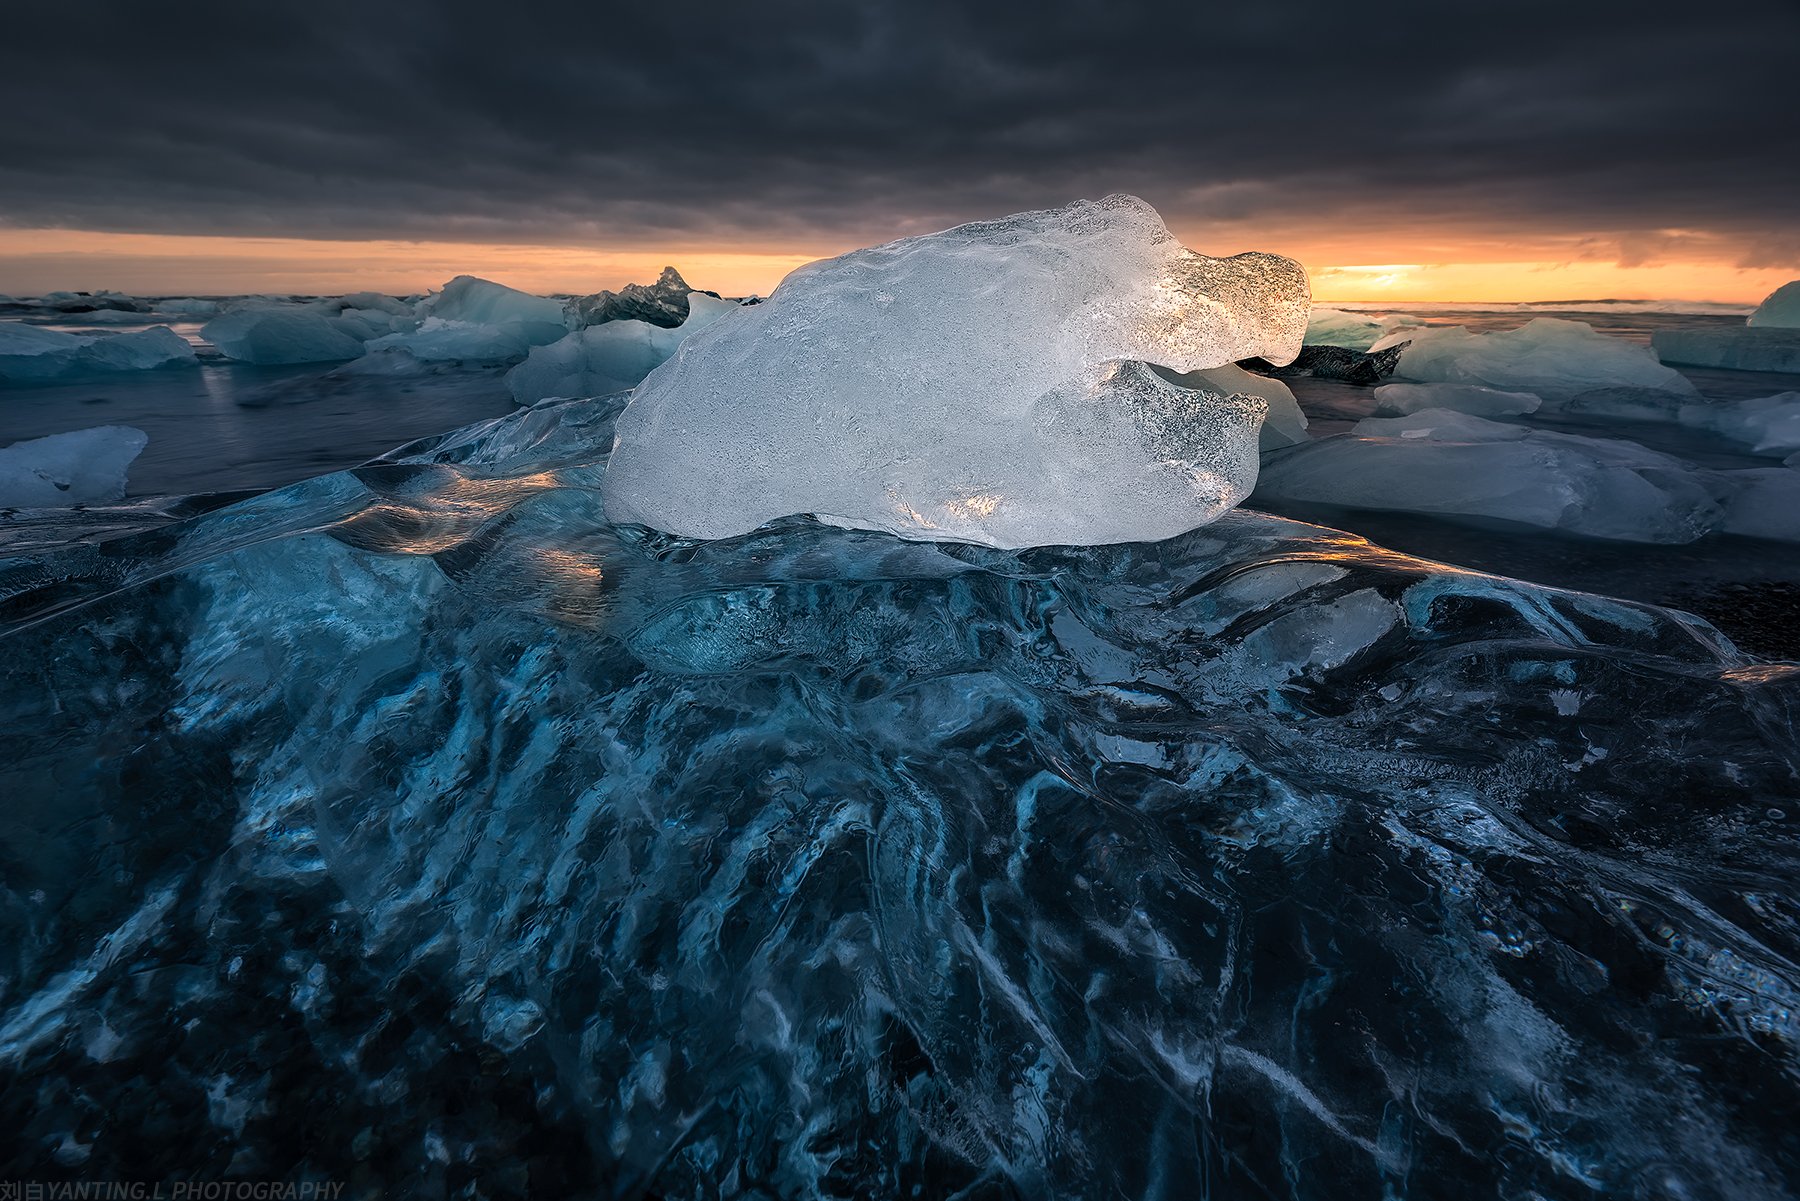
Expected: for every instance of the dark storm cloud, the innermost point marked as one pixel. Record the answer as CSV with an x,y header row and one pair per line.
x,y
809,122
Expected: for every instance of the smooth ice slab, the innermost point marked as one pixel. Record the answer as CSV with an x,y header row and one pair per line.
x,y
1393,400
1734,348
1455,465
981,385
33,354
80,467
1546,356
271,335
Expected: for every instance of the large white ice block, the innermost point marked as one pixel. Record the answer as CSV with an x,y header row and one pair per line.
x,y
984,384
270,335
1546,356
80,467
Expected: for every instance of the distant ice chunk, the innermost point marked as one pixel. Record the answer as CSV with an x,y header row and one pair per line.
x,y
1456,465
1397,399
80,467
1780,309
33,354
610,357
986,384
1546,356
187,306
1353,331
484,302
1734,348
88,302
478,321
268,335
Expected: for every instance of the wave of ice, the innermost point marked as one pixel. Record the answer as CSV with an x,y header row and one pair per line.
x,y
421,827
985,384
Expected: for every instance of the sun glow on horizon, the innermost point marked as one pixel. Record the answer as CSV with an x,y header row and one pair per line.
x,y
34,261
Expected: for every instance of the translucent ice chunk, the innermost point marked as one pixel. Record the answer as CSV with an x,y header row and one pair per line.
x,y
484,302
609,357
80,467
273,334
1353,331
478,321
30,353
1546,356
967,385
1779,310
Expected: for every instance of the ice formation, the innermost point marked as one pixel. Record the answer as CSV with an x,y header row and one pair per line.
x,y
610,357
1733,349
1779,310
1353,331
1399,399
81,467
1546,356
1452,464
477,321
270,335
418,826
984,384
33,354
1768,341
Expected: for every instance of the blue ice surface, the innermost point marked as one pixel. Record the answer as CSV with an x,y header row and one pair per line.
x,y
413,826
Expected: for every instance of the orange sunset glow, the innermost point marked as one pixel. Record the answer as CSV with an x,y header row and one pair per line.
x,y
33,261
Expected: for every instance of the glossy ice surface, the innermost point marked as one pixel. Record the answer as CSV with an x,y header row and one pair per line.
x,y
419,828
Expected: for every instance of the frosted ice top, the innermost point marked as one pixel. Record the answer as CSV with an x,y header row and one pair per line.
x,y
985,384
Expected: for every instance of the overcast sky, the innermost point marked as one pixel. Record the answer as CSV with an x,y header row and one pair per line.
x,y
1621,130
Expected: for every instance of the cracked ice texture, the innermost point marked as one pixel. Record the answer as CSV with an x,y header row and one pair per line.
x,y
984,384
